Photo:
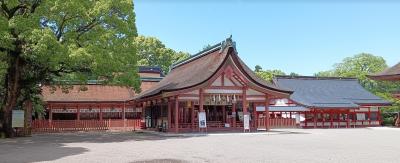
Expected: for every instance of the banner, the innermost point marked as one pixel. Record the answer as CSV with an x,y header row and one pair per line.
x,y
246,122
202,120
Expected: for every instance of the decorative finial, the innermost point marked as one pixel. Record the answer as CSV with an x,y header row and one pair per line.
x,y
227,43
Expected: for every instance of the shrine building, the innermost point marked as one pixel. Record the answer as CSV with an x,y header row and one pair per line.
x,y
213,90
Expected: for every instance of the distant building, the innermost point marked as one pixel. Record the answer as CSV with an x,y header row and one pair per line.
x,y
331,101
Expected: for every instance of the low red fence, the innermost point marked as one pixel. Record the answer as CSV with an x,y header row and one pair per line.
x,y
85,125
282,123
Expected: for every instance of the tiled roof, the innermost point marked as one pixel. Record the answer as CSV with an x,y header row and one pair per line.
x,y
392,73
94,93
151,69
199,68
328,92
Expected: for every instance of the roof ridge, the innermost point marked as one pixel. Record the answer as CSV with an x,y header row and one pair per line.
x,y
314,77
197,55
221,45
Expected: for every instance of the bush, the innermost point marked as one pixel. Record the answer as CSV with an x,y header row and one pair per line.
x,y
388,121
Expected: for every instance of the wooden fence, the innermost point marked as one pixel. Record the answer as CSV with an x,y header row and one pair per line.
x,y
85,125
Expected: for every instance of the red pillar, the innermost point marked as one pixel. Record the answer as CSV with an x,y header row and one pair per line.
x,y
348,119
101,112
223,114
50,113
266,112
123,111
244,103
254,116
78,113
331,119
176,114
169,116
315,118
192,114
234,115
369,116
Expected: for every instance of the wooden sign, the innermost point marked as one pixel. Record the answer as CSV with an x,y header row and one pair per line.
x,y
246,122
202,120
17,118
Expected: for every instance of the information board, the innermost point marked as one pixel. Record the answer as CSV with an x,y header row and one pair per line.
x,y
17,118
202,120
246,122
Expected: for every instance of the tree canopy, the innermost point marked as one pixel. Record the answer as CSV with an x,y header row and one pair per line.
x,y
361,65
57,41
152,52
267,75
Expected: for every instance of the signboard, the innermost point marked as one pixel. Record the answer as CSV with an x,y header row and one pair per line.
x,y
202,120
17,118
246,122
260,108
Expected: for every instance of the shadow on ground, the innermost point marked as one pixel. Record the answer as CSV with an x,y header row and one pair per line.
x,y
49,147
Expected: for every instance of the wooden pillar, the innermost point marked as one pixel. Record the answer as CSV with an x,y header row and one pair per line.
x,y
305,119
201,100
176,108
50,113
379,116
266,112
234,115
315,118
254,116
331,116
348,119
78,113
369,116
123,111
101,112
192,114
169,115
223,114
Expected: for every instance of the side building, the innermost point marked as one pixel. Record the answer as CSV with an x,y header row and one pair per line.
x,y
330,102
94,106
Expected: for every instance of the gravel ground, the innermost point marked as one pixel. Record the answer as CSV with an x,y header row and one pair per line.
x,y
295,145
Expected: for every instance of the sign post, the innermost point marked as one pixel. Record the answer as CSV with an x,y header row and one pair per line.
x,y
17,118
202,120
246,122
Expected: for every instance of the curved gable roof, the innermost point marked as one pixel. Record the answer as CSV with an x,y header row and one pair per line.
x,y
392,73
201,67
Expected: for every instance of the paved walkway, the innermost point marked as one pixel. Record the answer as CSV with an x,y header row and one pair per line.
x,y
294,145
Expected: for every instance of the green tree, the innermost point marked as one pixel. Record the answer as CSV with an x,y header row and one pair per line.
x,y
49,41
267,75
358,66
152,52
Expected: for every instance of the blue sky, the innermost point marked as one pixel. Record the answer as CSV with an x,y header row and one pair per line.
x,y
294,36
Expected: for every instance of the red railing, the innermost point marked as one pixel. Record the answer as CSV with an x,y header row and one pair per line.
x,y
85,125
282,123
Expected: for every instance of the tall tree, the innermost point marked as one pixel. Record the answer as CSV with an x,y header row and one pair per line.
x,y
44,41
358,66
267,75
152,52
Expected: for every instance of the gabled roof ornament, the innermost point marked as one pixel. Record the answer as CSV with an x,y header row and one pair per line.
x,y
227,43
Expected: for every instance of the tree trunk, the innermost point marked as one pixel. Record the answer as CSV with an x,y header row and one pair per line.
x,y
12,94
28,117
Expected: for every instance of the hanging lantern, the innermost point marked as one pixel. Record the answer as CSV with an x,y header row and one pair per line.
x,y
227,98
189,104
234,98
219,97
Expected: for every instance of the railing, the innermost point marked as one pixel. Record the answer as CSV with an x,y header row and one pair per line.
x,y
85,125
282,123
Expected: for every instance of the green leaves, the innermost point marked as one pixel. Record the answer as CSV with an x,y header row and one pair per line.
x,y
267,75
152,52
64,42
